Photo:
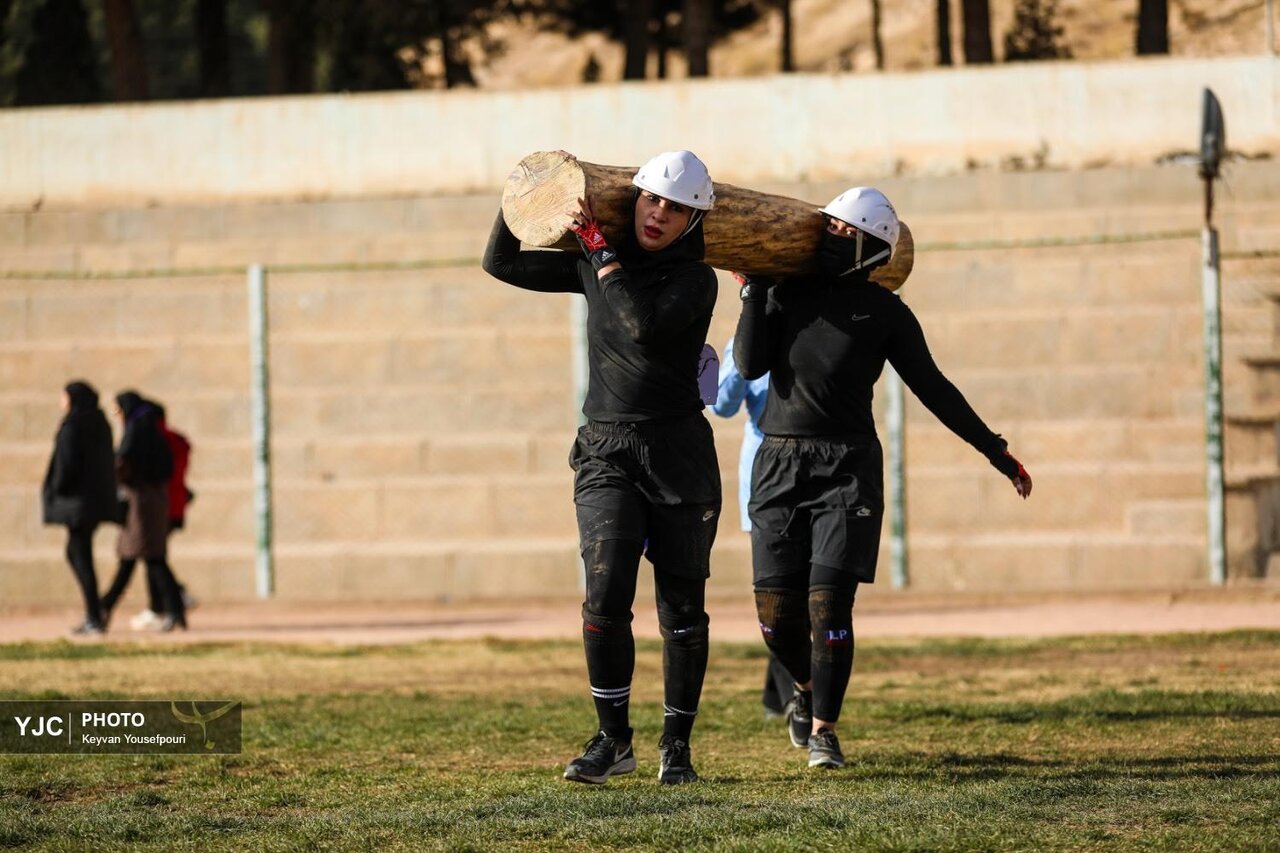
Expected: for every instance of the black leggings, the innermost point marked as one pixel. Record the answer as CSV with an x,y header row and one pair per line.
x,y
612,567
164,593
807,621
80,556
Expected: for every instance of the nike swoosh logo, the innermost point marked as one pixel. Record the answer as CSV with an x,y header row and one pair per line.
x,y
620,704
860,317
707,516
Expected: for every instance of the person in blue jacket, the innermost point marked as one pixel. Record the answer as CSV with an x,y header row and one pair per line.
x,y
733,393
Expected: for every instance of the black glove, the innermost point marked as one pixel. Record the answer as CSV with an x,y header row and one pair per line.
x,y
754,287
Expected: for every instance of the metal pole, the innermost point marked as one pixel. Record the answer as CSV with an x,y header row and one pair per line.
x,y
260,404
578,333
895,418
1211,294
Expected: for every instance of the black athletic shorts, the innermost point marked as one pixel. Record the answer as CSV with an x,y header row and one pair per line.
x,y
816,500
657,482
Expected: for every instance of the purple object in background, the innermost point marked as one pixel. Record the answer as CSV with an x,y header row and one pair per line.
x,y
708,374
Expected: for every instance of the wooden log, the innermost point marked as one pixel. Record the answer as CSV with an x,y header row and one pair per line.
x,y
747,231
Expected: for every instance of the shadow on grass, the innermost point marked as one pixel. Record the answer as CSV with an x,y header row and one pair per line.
x,y
1003,766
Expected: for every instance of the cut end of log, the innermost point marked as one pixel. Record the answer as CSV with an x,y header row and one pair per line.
x,y
894,274
539,191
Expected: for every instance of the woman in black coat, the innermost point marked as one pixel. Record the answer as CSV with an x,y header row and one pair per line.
x,y
80,490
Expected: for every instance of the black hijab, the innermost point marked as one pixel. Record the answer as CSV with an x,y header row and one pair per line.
x,y
83,396
690,246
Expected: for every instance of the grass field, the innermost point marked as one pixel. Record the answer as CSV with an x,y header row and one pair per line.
x,y
1102,743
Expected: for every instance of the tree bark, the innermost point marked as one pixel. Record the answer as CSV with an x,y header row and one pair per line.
x,y
977,32
128,56
876,41
291,47
214,45
1153,27
747,231
635,36
944,32
788,59
696,26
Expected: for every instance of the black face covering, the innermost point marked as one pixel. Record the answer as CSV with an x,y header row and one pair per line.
x,y
837,256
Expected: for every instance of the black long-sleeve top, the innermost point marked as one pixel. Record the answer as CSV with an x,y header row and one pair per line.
x,y
824,344
646,323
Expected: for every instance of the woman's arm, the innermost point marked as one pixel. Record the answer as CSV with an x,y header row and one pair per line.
x,y
546,272
754,339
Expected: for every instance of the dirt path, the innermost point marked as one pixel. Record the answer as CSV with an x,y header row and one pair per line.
x,y
880,613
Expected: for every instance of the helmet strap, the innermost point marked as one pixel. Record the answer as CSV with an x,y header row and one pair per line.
x,y
693,221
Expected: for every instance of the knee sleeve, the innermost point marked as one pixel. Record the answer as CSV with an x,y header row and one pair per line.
x,y
831,614
784,622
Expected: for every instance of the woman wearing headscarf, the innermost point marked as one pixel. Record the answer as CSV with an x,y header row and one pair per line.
x,y
817,495
80,490
646,482
144,465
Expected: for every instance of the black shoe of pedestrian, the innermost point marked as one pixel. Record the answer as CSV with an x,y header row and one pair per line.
x,y
824,750
601,758
675,765
170,622
800,717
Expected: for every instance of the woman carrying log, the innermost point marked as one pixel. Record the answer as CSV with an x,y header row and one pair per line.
x,y
646,480
817,484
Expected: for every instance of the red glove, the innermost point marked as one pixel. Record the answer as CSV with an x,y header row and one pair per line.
x,y
1021,479
594,245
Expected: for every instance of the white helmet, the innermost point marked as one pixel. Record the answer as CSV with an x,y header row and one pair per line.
x,y
679,176
867,209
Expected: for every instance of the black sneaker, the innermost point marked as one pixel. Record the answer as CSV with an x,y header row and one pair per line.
x,y
675,766
601,758
800,717
824,750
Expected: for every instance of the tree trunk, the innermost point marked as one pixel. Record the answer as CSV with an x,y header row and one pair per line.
x,y
635,36
128,57
662,41
696,26
876,42
788,58
291,47
214,45
944,32
977,32
747,231
1153,27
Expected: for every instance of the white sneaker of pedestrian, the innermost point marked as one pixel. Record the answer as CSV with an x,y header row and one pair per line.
x,y
146,620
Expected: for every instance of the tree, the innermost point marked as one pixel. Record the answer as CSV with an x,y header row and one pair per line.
x,y
47,55
977,32
291,47
213,44
696,31
1035,33
644,26
636,16
943,16
1153,27
876,43
787,61
125,47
